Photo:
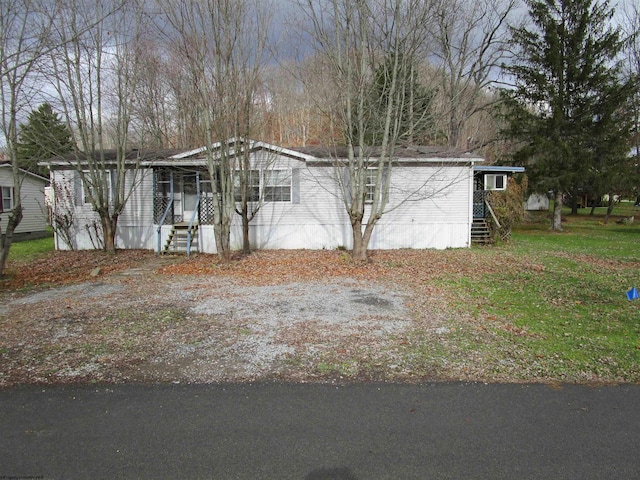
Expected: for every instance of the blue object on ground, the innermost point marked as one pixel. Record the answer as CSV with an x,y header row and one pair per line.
x,y
633,294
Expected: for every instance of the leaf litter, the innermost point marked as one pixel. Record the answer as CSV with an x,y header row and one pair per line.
x,y
302,316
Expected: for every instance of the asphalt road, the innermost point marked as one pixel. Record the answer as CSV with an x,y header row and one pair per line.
x,y
321,432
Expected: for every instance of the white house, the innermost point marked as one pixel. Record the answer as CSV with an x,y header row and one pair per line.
x,y
34,211
430,201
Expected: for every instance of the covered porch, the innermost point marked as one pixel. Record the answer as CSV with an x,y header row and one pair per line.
x,y
183,200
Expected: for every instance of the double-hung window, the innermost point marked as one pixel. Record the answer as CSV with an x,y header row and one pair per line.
x,y
253,182
277,185
85,189
6,202
370,184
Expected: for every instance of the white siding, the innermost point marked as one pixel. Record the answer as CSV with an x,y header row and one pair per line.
x,y
430,206
34,214
135,224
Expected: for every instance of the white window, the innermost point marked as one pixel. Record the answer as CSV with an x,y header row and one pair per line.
x,y
277,186
87,188
370,184
6,203
495,182
254,186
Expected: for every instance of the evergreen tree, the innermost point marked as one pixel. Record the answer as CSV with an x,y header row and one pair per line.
x,y
568,93
415,117
42,137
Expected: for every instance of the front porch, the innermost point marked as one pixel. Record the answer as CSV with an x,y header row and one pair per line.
x,y
488,179
182,201
481,232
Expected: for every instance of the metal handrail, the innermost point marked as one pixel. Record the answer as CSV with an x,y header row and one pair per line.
x,y
162,220
193,215
166,213
191,222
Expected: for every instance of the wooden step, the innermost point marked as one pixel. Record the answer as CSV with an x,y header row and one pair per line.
x,y
179,237
480,232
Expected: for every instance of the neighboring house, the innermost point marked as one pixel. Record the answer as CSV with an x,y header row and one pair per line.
x,y
431,201
537,202
34,210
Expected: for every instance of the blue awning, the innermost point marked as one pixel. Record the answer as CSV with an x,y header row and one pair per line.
x,y
497,169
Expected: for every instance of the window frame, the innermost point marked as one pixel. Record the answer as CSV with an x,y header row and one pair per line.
x,y
254,188
273,192
490,181
3,197
86,200
370,184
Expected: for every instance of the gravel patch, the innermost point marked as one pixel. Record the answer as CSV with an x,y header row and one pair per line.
x,y
138,327
266,324
84,291
332,303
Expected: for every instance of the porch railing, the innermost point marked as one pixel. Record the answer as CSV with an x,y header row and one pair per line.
x,y
194,214
166,213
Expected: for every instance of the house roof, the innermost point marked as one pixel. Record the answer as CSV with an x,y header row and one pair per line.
x,y
407,153
26,172
110,156
236,146
315,154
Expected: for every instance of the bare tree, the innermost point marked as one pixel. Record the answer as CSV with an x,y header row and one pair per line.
x,y
301,101
154,115
95,72
24,39
355,37
469,42
223,47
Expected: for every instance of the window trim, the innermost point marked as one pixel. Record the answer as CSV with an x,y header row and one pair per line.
x,y
494,177
3,189
267,198
254,188
86,200
370,181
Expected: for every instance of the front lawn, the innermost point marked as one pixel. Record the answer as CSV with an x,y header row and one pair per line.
x,y
565,316
545,307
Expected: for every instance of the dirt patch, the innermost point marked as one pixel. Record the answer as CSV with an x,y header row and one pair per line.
x,y
147,323
290,315
256,331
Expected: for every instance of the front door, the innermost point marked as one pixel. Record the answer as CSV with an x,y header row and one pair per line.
x,y
189,197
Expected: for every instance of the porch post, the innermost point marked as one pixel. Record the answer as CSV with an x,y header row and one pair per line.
x,y
167,210
193,215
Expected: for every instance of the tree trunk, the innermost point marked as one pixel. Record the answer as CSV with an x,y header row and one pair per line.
x,y
5,241
556,221
109,233
226,245
246,244
574,204
359,252
610,204
222,235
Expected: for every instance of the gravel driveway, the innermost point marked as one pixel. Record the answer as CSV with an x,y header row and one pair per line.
x,y
142,326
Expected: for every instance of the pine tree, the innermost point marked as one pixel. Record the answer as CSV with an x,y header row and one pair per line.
x,y
42,137
415,101
568,91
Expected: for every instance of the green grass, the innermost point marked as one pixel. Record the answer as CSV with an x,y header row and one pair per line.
x,y
30,249
561,311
